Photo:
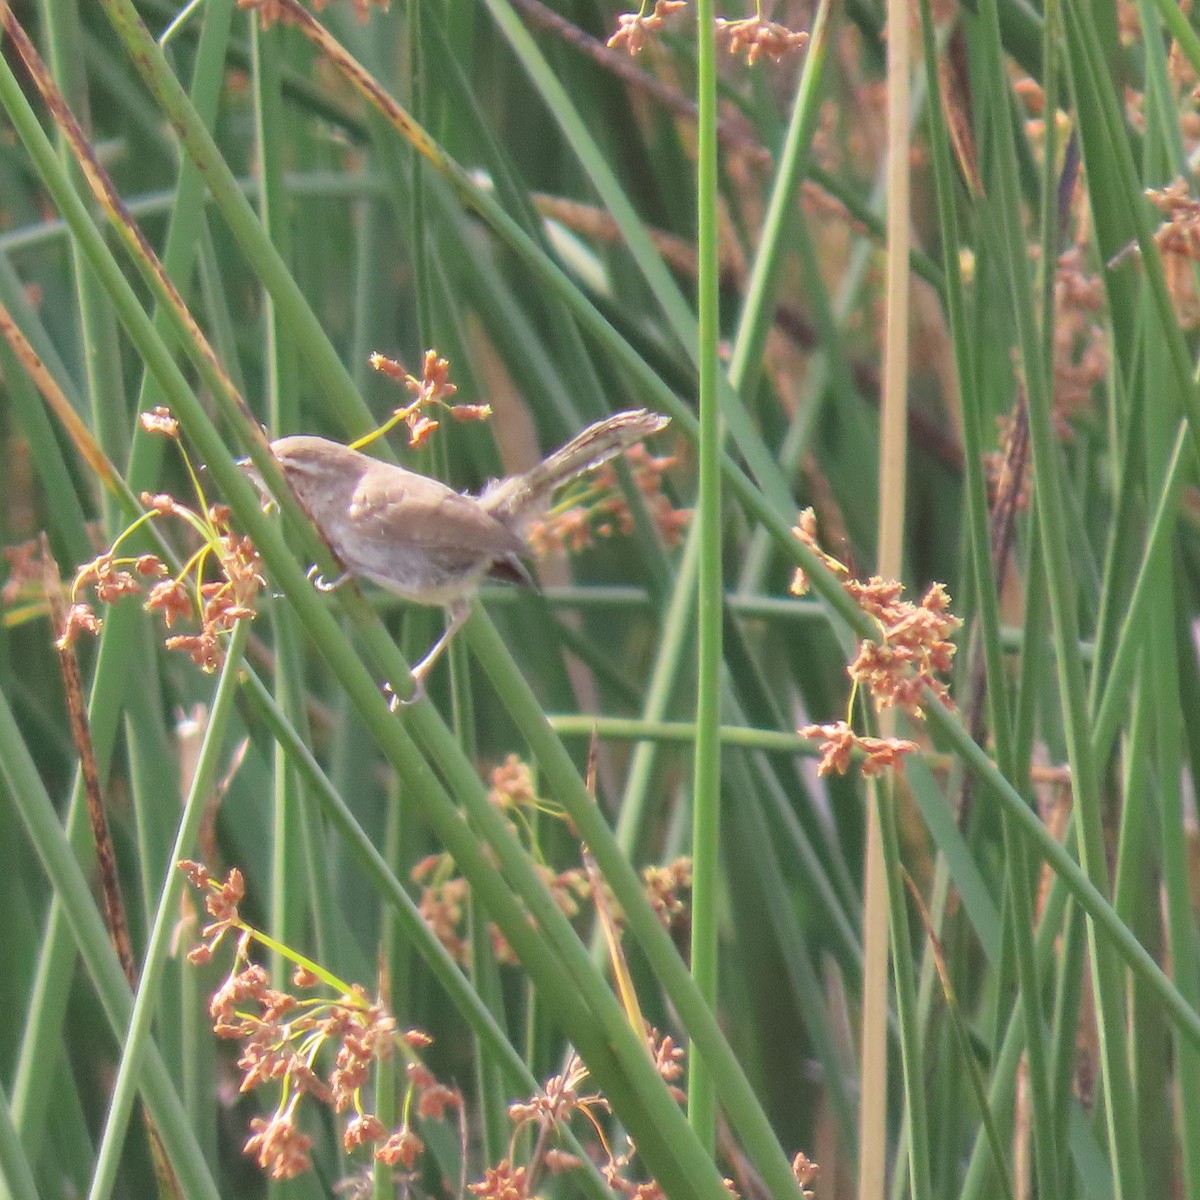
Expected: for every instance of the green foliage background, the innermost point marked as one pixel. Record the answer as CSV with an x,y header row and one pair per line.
x,y
1060,1047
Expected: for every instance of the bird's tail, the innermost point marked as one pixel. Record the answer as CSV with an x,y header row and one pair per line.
x,y
522,499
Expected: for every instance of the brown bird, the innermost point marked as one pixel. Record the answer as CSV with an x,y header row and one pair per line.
x,y
421,539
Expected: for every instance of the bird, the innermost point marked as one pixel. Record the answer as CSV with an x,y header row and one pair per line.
x,y
420,539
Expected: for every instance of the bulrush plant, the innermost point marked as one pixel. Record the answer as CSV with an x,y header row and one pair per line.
x,y
445,894
897,670
754,36
547,229
432,390
634,29
214,604
286,1037
321,1041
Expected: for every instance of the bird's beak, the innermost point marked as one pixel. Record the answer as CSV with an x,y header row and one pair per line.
x,y
252,473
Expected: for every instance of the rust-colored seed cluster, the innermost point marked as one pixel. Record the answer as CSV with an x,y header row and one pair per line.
x,y
283,1035
755,36
1180,231
559,1100
839,741
443,904
805,1171
512,786
668,1062
898,669
669,888
216,604
24,572
223,602
502,1182
444,894
915,646
513,790
1178,241
634,30
600,510
432,390
444,899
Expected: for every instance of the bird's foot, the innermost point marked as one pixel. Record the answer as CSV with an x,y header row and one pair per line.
x,y
396,702
321,583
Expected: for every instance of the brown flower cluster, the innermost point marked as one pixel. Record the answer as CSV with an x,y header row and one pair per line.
x,y
502,1182
755,37
161,421
598,509
444,896
567,887
914,644
1181,83
805,1171
839,741
805,530
1081,342
616,1174
272,11
558,1101
443,903
287,1039
913,648
668,1061
432,390
512,786
1178,241
634,30
563,1097
283,1036
221,902
668,888
217,604
24,572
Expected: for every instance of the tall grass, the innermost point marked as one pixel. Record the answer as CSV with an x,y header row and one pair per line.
x,y
229,222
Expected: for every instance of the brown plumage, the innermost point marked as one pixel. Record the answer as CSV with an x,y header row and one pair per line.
x,y
421,539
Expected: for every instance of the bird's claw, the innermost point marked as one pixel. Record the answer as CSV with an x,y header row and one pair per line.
x,y
321,583
396,702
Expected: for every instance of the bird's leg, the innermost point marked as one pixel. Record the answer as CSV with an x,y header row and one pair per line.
x,y
321,583
457,612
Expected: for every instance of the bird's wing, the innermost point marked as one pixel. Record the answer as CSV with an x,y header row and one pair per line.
x,y
427,513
